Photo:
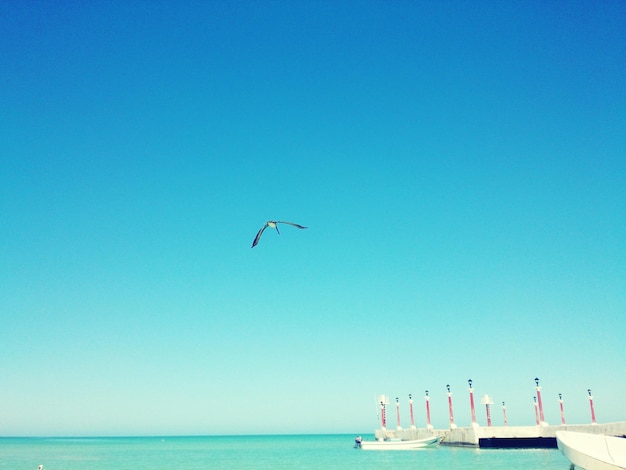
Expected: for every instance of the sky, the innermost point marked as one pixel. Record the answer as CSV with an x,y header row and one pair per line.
x,y
460,167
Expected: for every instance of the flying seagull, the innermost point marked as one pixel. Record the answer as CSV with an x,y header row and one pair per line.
x,y
271,223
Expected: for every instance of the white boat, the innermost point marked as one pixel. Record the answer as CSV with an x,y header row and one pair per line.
x,y
397,444
592,451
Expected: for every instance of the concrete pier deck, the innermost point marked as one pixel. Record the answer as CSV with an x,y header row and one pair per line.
x,y
542,436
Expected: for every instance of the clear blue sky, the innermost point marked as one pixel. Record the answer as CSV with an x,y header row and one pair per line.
x,y
461,167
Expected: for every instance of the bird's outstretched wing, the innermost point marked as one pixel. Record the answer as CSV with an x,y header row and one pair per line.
x,y
273,224
290,223
258,236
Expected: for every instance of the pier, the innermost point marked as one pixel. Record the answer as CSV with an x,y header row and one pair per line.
x,y
542,435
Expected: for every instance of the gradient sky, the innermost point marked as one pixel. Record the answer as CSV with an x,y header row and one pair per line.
x,y
461,167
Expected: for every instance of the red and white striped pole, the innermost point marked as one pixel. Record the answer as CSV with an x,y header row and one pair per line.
x,y
561,406
536,412
471,395
411,411
383,418
593,413
541,418
506,423
427,398
398,413
487,401
452,425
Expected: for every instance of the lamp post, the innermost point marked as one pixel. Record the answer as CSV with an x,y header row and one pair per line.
x,y
411,412
398,413
452,425
536,412
383,418
506,423
593,413
471,396
561,406
427,399
541,418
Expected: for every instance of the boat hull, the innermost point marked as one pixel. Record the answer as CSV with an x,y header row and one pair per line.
x,y
400,445
593,451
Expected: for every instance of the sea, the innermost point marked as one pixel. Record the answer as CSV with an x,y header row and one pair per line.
x,y
256,452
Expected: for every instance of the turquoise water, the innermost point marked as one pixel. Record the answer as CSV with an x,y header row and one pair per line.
x,y
254,452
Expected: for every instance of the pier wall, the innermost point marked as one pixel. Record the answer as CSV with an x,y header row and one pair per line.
x,y
472,436
502,436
